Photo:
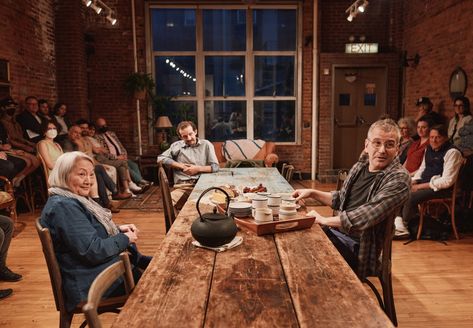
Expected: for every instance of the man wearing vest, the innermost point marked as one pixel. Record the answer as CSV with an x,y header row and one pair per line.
x,y
435,177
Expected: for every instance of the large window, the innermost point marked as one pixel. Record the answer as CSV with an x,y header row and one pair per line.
x,y
234,71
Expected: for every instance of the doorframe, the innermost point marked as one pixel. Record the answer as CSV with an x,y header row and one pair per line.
x,y
332,112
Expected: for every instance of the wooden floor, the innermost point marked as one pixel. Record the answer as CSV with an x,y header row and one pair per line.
x,y
433,282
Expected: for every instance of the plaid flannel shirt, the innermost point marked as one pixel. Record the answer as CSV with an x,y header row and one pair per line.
x,y
100,137
389,191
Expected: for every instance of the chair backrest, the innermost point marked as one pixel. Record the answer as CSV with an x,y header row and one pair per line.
x,y
387,248
100,285
45,169
342,176
287,171
169,213
53,265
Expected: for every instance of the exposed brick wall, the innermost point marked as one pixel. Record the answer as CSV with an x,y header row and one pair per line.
x,y
374,24
27,42
70,56
441,32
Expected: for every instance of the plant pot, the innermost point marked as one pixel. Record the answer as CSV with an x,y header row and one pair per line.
x,y
140,94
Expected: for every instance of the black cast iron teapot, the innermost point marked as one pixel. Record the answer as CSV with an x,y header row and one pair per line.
x,y
213,229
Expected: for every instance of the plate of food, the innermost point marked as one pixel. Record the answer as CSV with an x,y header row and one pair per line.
x,y
219,198
255,189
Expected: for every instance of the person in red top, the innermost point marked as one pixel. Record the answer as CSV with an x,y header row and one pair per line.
x,y
416,151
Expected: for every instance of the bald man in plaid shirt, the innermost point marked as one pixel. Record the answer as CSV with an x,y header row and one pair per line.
x,y
376,188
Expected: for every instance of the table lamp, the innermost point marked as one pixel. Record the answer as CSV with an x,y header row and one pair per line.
x,y
162,123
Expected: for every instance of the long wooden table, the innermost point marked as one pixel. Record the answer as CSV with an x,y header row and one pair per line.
x,y
292,279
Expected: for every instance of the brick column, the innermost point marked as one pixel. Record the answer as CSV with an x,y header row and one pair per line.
x,y
71,57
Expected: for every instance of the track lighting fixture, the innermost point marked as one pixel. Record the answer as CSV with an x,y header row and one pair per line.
x,y
100,7
359,6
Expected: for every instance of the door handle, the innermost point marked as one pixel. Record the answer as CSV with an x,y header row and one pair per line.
x,y
360,120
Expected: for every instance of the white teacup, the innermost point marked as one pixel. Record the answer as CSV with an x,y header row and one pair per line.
x,y
288,207
289,200
263,215
259,202
274,200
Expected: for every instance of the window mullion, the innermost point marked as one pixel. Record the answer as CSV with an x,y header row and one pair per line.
x,y
249,78
200,73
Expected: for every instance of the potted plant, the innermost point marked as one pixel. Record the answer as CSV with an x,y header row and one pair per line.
x,y
139,85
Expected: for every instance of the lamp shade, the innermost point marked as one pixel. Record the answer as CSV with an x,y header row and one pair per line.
x,y
163,122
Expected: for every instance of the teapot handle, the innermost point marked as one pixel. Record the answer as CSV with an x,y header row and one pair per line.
x,y
207,190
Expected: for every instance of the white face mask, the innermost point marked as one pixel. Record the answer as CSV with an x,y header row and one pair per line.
x,y
51,133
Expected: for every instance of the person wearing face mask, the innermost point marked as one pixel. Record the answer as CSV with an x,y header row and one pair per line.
x,y
8,108
47,148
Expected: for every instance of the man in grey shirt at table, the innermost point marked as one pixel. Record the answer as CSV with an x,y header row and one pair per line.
x,y
188,157
375,189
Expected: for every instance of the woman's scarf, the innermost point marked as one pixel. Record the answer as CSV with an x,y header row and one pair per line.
x,y
104,216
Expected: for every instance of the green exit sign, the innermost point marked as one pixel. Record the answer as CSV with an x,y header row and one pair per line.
x,y
361,48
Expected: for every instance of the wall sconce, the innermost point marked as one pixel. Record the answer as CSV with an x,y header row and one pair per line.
x,y
414,60
359,6
100,7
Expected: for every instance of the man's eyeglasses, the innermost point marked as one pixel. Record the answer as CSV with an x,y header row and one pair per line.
x,y
389,145
458,105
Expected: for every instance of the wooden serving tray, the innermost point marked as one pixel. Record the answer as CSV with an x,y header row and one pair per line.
x,y
268,228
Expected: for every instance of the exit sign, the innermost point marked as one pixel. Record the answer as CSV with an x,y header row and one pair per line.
x,y
361,48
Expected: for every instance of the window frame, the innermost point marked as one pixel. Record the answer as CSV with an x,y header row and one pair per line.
x,y
249,55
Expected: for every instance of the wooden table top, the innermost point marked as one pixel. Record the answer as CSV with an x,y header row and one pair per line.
x,y
291,279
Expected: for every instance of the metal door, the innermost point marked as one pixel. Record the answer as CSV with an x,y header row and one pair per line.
x,y
359,100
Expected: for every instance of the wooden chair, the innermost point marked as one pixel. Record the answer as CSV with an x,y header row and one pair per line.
x,y
65,317
287,171
103,282
7,198
169,211
342,176
447,202
384,275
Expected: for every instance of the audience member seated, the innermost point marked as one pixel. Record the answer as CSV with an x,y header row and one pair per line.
x,y
104,180
466,139
376,188
9,168
102,156
85,238
188,157
8,109
408,130
45,113
415,152
221,130
6,233
435,177
115,150
30,121
462,116
425,108
246,149
31,162
63,124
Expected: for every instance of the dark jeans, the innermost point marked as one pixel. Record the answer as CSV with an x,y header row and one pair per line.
x,y
410,209
346,246
104,182
6,232
11,166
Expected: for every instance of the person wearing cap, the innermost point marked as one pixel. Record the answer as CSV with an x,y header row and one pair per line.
x,y
8,108
425,108
30,120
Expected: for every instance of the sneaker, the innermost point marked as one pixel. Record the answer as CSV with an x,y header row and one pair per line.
x,y
121,196
134,188
144,182
8,275
4,293
398,234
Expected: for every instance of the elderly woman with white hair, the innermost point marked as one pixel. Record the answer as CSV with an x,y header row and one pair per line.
x,y
85,238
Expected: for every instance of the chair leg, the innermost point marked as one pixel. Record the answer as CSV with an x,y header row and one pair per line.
x,y
388,297
454,226
421,220
65,319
